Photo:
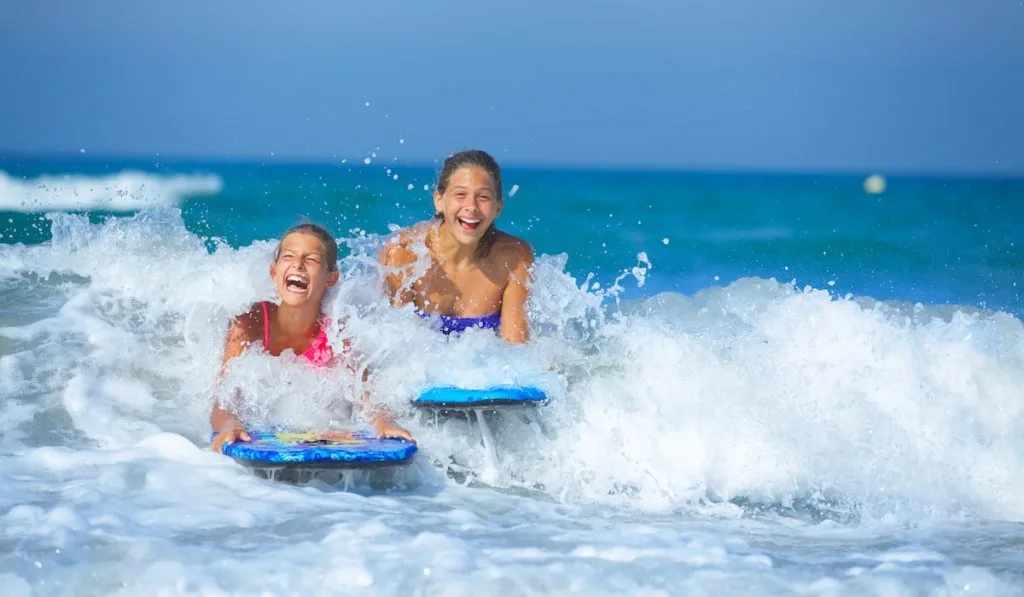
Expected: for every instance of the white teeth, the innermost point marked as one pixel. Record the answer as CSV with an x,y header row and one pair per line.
x,y
296,283
470,220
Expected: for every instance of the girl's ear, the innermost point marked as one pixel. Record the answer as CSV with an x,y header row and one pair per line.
x,y
437,202
332,278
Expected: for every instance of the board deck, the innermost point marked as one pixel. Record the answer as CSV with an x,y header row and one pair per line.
x,y
453,397
319,450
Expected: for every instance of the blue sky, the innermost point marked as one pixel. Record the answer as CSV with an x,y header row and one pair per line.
x,y
889,85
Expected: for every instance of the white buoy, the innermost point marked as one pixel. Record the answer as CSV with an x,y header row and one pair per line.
x,y
874,184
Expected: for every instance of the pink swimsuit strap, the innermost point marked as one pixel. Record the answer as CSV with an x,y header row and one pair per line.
x,y
266,326
319,352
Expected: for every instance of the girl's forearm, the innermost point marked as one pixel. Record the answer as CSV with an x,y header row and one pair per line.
x,y
222,419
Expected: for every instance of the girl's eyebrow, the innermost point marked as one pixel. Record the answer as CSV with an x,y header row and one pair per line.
x,y
460,187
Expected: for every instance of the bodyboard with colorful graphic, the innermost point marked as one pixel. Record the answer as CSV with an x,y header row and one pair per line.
x,y
452,397
319,450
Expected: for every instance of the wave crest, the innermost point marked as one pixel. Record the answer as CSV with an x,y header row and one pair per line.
x,y
129,190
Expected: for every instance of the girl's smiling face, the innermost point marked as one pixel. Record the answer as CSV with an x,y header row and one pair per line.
x,y
300,271
470,203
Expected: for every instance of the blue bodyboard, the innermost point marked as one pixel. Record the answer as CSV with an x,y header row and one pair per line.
x,y
452,397
319,450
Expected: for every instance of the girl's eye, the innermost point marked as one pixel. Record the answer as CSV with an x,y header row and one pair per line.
x,y
485,197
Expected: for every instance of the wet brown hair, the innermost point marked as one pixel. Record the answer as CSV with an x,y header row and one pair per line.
x,y
479,159
321,233
472,157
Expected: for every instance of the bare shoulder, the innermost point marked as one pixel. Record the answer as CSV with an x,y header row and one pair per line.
x,y
398,252
513,251
246,327
243,331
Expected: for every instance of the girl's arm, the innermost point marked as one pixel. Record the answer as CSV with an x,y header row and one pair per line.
x,y
224,422
396,259
380,416
383,424
377,414
513,300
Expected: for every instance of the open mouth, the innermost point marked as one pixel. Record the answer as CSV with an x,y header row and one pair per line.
x,y
469,224
296,283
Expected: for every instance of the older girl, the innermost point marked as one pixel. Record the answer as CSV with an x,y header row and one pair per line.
x,y
475,275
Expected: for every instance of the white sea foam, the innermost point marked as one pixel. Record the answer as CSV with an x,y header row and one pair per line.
x,y
692,444
125,191
759,391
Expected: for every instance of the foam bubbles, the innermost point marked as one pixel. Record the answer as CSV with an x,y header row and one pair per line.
x,y
706,438
125,191
773,393
763,393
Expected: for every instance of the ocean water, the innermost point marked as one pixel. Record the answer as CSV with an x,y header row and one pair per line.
x,y
761,385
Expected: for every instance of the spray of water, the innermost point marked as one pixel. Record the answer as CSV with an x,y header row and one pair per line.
x,y
758,395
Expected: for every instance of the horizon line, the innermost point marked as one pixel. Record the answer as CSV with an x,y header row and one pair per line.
x,y
580,166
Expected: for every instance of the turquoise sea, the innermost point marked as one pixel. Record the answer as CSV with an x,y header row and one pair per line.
x,y
761,383
926,239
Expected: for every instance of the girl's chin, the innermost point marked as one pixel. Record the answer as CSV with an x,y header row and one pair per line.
x,y
293,299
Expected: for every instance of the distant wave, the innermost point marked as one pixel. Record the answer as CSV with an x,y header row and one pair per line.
x,y
128,190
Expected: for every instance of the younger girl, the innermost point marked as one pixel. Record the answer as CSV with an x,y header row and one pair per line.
x,y
476,275
304,267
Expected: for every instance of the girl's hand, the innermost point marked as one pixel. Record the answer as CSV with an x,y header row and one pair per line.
x,y
230,435
385,427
